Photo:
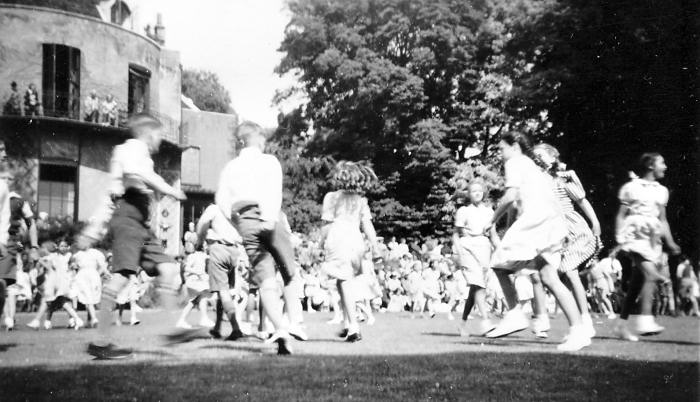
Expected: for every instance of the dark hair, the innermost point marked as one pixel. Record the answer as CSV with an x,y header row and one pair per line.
x,y
645,163
523,140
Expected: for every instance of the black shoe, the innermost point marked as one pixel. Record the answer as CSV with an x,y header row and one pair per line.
x,y
235,335
354,337
343,333
109,352
215,334
283,346
182,336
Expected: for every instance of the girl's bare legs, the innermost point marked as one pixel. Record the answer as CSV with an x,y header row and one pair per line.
x,y
68,306
92,313
540,324
35,323
347,299
579,293
182,321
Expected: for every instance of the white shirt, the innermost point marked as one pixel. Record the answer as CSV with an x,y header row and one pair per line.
x,y
4,212
253,177
131,162
220,229
474,219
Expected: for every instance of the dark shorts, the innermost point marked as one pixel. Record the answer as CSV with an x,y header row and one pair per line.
x,y
221,267
8,262
134,246
267,250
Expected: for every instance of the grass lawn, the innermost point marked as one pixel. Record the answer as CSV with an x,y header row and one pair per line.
x,y
399,359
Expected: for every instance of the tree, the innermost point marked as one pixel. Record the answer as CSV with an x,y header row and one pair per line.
x,y
205,90
402,84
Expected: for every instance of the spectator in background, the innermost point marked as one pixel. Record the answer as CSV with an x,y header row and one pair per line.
x,y
32,104
191,238
13,106
92,108
109,112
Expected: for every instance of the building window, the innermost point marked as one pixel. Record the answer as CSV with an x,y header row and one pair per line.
x,y
61,81
57,190
138,89
120,12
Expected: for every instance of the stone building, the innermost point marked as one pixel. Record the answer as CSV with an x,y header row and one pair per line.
x,y
60,160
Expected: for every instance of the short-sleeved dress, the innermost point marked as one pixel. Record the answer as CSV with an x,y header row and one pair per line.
x,y
640,232
344,245
580,243
87,284
475,255
539,229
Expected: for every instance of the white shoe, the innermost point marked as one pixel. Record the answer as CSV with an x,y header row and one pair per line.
x,y
576,340
541,324
34,324
450,317
484,327
71,323
183,325
513,321
136,321
588,324
646,325
206,323
298,333
47,324
279,334
79,324
612,316
622,332
9,323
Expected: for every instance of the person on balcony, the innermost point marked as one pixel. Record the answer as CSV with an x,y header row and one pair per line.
x,y
32,104
92,108
109,111
13,106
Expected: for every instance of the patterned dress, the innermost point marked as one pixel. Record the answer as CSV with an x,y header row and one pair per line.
x,y
640,232
580,243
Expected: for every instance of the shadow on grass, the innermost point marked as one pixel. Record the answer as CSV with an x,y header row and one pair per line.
x,y
452,376
644,339
4,347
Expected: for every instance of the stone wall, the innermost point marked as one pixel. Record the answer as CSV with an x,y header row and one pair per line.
x,y
212,135
106,49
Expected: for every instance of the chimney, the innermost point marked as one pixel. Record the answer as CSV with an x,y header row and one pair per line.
x,y
159,31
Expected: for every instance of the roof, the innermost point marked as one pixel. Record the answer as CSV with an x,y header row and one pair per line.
x,y
85,7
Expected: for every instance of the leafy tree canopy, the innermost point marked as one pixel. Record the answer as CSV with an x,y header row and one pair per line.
x,y
205,90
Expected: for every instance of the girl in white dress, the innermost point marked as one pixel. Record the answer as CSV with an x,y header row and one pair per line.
x,y
534,240
346,215
641,227
197,284
473,238
91,264
56,288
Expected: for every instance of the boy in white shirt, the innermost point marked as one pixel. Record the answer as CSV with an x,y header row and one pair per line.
x,y
135,246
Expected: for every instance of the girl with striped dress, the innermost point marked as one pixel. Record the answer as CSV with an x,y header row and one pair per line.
x,y
582,241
